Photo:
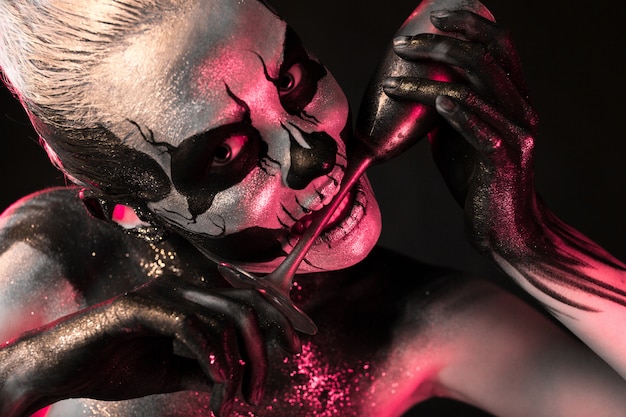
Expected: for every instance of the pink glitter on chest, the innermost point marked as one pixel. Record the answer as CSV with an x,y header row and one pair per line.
x,y
319,388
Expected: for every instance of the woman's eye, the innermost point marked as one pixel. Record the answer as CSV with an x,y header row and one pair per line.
x,y
228,150
290,79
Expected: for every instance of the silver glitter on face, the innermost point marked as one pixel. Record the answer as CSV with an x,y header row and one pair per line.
x,y
225,78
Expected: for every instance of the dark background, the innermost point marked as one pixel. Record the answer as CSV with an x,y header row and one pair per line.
x,y
572,55
573,59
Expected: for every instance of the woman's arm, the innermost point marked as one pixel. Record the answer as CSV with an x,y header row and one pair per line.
x,y
487,161
166,335
505,357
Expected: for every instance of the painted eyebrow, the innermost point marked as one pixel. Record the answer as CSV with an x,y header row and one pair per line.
x,y
244,110
268,77
283,53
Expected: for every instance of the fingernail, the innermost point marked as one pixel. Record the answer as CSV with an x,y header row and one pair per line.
x,y
440,13
402,41
446,104
391,83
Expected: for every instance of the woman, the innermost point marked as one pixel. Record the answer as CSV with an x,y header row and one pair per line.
x,y
195,128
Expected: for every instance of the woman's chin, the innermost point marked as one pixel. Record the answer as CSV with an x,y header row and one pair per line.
x,y
336,249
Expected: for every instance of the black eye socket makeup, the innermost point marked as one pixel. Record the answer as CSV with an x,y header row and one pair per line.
x,y
298,77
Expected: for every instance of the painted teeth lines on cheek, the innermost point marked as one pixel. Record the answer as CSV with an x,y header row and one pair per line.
x,y
356,201
292,216
300,222
304,209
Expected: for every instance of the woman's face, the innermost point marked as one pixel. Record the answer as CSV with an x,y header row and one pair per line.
x,y
249,128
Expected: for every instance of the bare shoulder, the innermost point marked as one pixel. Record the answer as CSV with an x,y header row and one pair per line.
x,y
467,336
52,258
392,299
449,307
423,291
47,220
55,225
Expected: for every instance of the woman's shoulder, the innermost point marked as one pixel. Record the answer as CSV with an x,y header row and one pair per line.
x,y
397,289
425,294
52,230
45,207
49,220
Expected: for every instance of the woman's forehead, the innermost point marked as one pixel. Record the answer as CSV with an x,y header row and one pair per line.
x,y
183,62
207,31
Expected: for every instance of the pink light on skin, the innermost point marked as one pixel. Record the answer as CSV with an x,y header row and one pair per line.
x,y
41,413
325,390
126,217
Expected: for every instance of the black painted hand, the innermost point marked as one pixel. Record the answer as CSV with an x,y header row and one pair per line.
x,y
165,336
485,151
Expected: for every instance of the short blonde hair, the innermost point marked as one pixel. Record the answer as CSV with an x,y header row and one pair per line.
x,y
48,52
49,47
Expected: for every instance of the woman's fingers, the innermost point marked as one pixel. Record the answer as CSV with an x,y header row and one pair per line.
x,y
203,342
476,66
464,107
486,129
497,40
273,322
221,334
226,331
484,59
253,344
195,337
223,395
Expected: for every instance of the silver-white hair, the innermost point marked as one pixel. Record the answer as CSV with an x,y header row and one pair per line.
x,y
49,47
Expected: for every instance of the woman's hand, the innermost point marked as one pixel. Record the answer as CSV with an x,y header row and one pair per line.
x,y
168,335
485,151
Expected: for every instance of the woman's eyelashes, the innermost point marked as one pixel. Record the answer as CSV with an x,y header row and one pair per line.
x,y
298,76
228,151
290,80
297,85
220,157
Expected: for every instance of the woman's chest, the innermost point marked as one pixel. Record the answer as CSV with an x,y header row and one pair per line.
x,y
320,381
366,360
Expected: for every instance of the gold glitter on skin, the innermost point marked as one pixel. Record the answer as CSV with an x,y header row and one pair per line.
x,y
162,260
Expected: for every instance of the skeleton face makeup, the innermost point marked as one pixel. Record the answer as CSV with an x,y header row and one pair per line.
x,y
249,129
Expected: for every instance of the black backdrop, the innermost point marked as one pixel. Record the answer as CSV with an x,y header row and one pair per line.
x,y
572,54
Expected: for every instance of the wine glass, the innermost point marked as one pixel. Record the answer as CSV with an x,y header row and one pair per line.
x,y
384,129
